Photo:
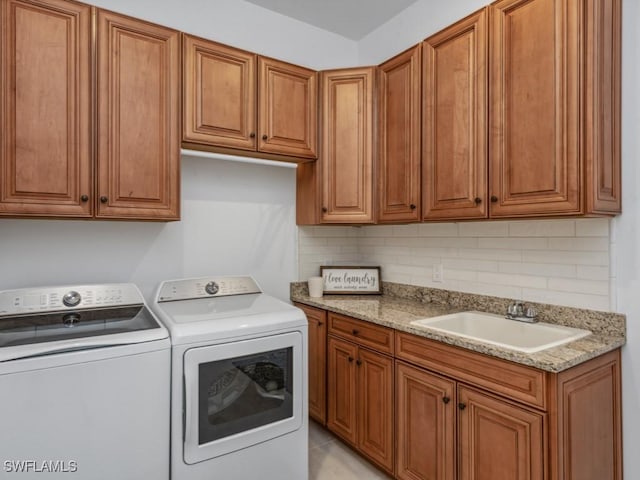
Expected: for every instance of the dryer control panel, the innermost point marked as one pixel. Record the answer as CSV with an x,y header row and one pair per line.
x,y
191,288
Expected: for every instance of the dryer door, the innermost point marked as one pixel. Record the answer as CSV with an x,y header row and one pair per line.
x,y
241,393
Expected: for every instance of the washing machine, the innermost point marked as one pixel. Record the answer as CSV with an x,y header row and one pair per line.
x,y
84,385
238,382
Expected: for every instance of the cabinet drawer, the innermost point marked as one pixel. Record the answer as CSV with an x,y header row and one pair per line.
x,y
522,383
364,333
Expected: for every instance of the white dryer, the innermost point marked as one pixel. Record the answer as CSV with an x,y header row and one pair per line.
x,y
84,385
239,381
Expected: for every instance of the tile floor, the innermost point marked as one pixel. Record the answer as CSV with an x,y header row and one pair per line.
x,y
330,459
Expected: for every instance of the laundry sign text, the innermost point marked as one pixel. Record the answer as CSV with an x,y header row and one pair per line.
x,y
351,280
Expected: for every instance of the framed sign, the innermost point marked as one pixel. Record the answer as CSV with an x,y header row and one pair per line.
x,y
351,280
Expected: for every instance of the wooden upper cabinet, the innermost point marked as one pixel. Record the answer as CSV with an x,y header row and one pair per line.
x,y
288,109
219,88
535,108
45,108
138,100
234,99
555,74
455,96
399,133
347,145
602,67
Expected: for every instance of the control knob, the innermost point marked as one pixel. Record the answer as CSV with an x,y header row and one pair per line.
x,y
71,299
211,288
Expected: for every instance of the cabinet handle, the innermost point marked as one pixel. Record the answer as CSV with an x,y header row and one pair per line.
x,y
252,135
445,400
358,362
325,209
264,137
494,199
350,359
412,206
478,200
104,199
319,324
84,198
462,406
355,332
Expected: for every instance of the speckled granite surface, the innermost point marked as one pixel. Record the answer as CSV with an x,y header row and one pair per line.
x,y
401,304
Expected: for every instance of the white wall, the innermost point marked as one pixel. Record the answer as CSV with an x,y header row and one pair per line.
x,y
626,235
411,26
245,25
236,219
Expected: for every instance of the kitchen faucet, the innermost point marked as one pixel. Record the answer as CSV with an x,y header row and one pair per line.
x,y
520,312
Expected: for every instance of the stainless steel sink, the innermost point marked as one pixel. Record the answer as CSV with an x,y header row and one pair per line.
x,y
497,330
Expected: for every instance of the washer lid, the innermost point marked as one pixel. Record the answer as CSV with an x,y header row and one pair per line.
x,y
226,317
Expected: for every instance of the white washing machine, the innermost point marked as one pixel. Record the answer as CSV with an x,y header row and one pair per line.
x,y
84,385
239,381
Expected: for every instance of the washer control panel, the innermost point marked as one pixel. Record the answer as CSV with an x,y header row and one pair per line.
x,y
41,300
188,289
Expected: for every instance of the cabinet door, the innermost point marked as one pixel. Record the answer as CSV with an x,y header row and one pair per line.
x,y
341,389
317,362
425,425
45,102
534,112
455,121
219,94
498,440
399,133
288,109
347,135
375,407
138,119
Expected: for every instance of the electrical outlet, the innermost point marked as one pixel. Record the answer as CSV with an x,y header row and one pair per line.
x,y
438,276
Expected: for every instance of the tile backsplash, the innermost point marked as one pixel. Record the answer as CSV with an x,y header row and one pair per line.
x,y
561,262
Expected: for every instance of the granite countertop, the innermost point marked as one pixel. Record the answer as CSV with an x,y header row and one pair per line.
x,y
398,307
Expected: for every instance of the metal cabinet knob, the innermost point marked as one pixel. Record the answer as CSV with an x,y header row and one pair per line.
x,y
355,332
462,406
412,206
252,135
350,359
104,199
358,362
84,198
478,200
325,209
494,199
264,137
445,400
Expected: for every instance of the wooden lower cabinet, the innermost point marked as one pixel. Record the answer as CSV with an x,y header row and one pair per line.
x,y
424,410
498,440
501,431
425,424
360,400
317,362
341,389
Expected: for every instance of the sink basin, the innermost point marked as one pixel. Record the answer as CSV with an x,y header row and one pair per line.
x,y
500,331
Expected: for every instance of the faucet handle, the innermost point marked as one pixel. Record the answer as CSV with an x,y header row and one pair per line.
x,y
531,313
